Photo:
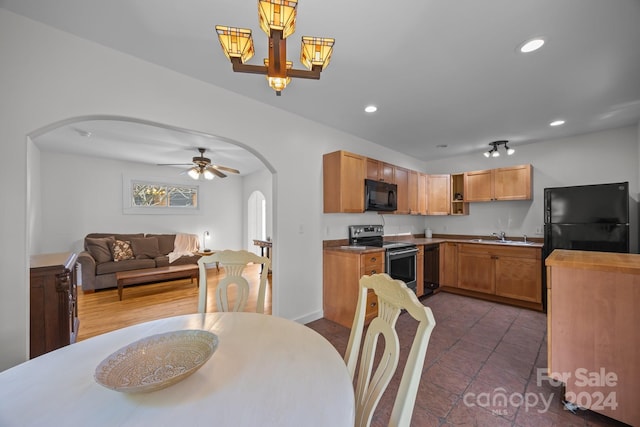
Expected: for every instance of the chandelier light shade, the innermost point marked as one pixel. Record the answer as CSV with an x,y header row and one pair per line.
x,y
278,20
277,15
236,42
316,51
493,152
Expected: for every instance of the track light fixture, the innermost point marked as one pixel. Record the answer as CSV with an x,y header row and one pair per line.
x,y
494,149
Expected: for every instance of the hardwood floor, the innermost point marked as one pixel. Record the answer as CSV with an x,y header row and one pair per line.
x,y
102,311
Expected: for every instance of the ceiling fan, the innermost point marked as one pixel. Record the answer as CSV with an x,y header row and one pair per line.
x,y
203,168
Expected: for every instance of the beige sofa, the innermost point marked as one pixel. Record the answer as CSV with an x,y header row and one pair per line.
x,y
105,254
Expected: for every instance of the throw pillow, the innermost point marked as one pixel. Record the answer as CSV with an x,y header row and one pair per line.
x,y
121,250
100,248
145,248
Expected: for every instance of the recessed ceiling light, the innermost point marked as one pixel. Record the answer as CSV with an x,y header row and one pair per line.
x,y
531,45
557,123
84,133
370,108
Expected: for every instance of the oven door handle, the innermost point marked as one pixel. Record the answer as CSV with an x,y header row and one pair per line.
x,y
402,252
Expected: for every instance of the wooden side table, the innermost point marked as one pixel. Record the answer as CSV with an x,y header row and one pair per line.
x,y
265,246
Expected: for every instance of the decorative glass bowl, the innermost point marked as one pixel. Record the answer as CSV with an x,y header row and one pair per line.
x,y
156,362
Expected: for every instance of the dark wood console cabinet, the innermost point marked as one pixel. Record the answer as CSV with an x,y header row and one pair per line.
x,y
53,295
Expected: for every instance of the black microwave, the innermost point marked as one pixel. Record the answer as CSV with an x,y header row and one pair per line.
x,y
380,196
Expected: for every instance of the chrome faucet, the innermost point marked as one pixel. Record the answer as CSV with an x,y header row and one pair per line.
x,y
500,236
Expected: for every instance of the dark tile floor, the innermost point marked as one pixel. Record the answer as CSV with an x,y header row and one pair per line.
x,y
480,354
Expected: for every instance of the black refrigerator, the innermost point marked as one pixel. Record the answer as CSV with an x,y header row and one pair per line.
x,y
587,217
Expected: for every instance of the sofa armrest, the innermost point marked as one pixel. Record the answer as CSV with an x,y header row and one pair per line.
x,y
88,271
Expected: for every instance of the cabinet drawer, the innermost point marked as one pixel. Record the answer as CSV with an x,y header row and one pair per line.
x,y
372,306
372,260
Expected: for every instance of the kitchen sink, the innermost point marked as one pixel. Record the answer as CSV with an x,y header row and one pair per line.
x,y
502,242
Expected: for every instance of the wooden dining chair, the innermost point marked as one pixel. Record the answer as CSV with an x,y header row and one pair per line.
x,y
393,296
234,264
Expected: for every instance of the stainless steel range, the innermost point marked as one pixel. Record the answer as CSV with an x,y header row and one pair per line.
x,y
400,257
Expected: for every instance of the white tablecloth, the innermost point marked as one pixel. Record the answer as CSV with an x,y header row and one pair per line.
x,y
267,371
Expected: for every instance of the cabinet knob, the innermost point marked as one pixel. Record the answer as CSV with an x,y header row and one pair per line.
x,y
373,272
373,259
373,304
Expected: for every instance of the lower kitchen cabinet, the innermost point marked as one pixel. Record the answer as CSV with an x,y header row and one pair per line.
x,y
519,277
448,264
476,269
341,282
420,271
509,274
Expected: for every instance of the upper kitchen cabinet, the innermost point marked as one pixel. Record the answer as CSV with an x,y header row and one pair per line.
x,y
422,193
438,194
380,171
343,182
459,206
508,183
413,188
402,181
513,183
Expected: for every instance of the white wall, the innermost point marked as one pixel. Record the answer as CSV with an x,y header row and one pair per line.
x,y
594,158
48,76
82,195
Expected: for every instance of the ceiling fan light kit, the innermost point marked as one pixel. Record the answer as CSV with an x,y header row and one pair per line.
x,y
494,150
203,168
278,21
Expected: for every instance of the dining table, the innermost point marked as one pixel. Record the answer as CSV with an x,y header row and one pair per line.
x,y
265,371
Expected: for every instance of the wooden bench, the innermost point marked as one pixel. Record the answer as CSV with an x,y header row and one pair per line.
x,y
158,274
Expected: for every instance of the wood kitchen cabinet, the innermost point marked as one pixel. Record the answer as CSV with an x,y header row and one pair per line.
x,y
402,181
341,283
438,194
592,330
476,269
343,182
380,171
53,313
413,179
511,274
422,193
459,206
448,264
420,271
508,183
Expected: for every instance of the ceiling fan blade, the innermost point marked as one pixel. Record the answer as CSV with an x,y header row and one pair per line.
x,y
216,172
174,164
224,168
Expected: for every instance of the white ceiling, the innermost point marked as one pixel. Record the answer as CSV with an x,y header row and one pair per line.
x,y
442,72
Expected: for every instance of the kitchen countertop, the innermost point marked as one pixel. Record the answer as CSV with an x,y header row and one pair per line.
x,y
422,241
591,260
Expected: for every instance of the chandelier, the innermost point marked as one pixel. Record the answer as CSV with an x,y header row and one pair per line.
x,y
278,21
494,150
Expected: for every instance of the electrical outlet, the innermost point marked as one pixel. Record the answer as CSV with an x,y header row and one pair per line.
x,y
539,231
